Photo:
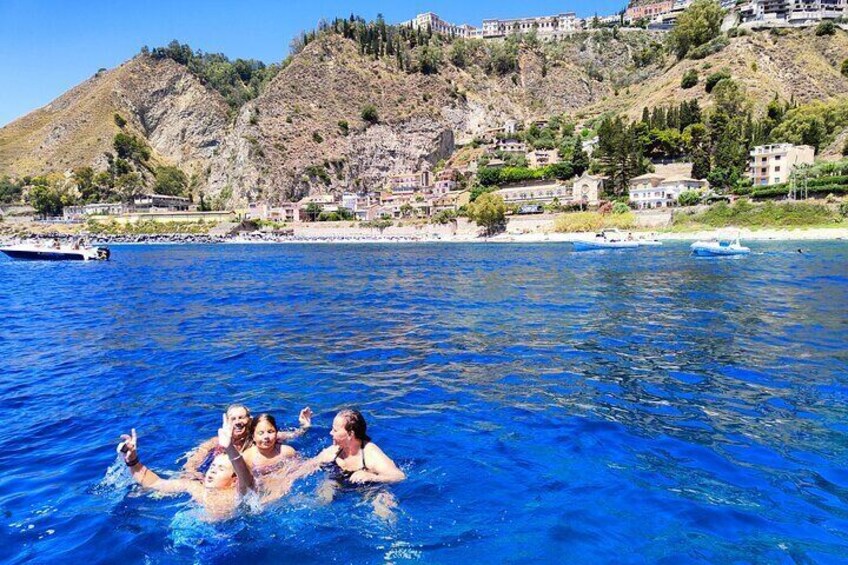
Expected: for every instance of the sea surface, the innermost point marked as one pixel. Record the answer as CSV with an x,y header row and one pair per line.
x,y
547,406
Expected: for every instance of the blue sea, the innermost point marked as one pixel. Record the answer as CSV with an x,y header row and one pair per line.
x,y
547,406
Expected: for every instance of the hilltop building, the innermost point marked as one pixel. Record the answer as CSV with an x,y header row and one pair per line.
x,y
546,27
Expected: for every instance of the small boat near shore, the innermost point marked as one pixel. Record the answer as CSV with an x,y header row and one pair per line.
x,y
607,239
35,252
719,248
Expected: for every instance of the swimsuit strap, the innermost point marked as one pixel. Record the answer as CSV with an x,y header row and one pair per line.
x,y
363,468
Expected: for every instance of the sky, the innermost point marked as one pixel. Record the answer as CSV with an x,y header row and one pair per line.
x,y
49,46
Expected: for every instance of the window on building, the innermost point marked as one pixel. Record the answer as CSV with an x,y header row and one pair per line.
x,y
777,169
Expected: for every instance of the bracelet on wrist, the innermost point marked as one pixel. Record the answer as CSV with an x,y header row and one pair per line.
x,y
132,463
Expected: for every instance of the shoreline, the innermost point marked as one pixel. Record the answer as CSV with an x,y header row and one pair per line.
x,y
745,234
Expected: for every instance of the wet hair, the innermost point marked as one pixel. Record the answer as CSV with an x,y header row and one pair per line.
x,y
354,422
262,418
234,406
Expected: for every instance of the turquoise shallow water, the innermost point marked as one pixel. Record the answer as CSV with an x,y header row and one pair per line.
x,y
546,405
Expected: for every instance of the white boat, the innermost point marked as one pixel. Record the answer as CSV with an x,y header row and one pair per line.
x,y
719,248
649,243
607,239
35,252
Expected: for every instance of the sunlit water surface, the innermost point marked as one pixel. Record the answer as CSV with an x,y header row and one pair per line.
x,y
546,405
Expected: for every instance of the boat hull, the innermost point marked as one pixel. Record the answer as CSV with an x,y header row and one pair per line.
x,y
596,245
32,253
707,250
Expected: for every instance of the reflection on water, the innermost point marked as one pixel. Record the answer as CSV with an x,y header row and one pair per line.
x,y
545,405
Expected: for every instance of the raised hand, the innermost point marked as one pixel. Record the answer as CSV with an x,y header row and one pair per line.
x,y
305,417
129,446
225,433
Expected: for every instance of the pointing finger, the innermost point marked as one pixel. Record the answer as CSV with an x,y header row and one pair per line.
x,y
134,437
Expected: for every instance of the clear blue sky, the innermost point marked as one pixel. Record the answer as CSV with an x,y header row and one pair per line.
x,y
48,46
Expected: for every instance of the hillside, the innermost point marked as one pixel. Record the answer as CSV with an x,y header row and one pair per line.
x,y
182,120
795,65
305,132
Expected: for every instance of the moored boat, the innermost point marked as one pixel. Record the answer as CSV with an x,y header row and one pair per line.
x,y
719,248
607,239
34,252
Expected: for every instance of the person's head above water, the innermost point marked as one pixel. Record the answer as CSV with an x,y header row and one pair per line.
x,y
239,417
349,426
221,474
264,430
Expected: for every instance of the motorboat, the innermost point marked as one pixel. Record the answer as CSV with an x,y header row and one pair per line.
x,y
56,252
719,248
649,242
607,239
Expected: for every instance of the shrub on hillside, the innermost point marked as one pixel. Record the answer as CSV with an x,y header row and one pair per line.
x,y
826,27
690,79
715,78
710,48
844,68
369,114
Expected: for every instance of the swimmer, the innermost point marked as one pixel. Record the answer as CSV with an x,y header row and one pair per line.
x,y
240,420
354,455
267,452
225,482
238,417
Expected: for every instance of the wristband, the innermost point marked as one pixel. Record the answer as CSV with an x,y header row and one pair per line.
x,y
132,463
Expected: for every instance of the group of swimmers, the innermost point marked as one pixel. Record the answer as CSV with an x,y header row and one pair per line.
x,y
250,455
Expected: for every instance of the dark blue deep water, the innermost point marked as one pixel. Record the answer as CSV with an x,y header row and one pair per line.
x,y
546,405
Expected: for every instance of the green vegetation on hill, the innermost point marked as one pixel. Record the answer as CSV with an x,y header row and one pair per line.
x,y
10,191
699,24
237,81
769,214
816,123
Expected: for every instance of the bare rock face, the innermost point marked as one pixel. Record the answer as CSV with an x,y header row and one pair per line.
x,y
162,101
183,120
384,150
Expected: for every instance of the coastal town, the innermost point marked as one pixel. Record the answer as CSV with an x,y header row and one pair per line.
x,y
425,195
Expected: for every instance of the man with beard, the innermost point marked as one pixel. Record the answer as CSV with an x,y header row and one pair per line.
x,y
238,417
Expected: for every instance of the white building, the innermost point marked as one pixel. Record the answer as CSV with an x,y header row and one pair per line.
x,y
546,27
772,164
97,209
586,190
431,21
511,146
655,191
154,202
350,201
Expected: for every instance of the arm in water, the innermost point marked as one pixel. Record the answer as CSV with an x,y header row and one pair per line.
x,y
144,476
